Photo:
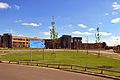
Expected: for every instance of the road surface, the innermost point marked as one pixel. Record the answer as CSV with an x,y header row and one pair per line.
x,y
20,72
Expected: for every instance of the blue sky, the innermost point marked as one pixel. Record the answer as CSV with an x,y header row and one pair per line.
x,y
32,18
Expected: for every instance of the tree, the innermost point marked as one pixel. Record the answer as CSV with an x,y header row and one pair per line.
x,y
53,33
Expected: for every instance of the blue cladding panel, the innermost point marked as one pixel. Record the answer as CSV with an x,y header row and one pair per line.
x,y
37,44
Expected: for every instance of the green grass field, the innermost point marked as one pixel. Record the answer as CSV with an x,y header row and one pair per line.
x,y
80,58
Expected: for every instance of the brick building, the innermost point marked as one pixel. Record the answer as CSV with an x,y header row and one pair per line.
x,y
76,42
6,41
9,41
65,41
68,42
49,44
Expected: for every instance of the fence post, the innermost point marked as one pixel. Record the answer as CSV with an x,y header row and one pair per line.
x,y
101,71
58,66
71,67
47,65
30,63
27,63
85,68
37,64
18,62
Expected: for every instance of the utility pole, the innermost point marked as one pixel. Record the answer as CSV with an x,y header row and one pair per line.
x,y
77,45
87,45
43,50
53,34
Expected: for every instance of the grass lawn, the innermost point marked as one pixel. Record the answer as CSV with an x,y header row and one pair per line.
x,y
79,58
66,57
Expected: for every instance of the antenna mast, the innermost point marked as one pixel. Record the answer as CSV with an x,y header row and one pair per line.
x,y
97,35
52,29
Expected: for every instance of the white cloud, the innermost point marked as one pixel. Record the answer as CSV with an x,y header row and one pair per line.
x,y
81,33
106,14
116,40
115,6
105,34
87,33
88,39
46,33
76,32
17,7
4,5
112,40
115,13
32,24
115,37
115,20
114,3
91,29
82,25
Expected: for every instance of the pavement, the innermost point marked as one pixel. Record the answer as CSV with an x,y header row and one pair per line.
x,y
22,72
109,53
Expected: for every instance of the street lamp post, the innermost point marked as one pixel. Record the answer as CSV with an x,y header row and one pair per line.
x,y
77,46
31,56
87,45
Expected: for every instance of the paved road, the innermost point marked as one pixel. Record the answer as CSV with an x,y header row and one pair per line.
x,y
20,72
104,53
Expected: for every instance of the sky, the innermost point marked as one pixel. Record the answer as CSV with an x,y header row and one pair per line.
x,y
79,18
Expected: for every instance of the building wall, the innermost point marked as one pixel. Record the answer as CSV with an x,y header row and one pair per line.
x,y
7,41
94,45
1,40
66,41
77,43
49,44
20,42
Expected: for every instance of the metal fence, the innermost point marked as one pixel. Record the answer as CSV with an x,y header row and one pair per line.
x,y
98,71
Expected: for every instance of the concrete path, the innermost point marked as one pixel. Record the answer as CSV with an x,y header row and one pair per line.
x,y
20,72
